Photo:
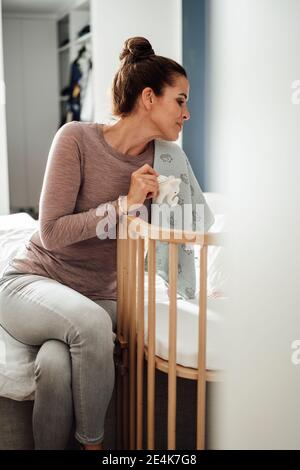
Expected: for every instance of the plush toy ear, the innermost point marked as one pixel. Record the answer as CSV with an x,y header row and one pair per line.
x,y
162,178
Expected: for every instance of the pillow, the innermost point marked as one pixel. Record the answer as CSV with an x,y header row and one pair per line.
x,y
16,221
16,368
15,230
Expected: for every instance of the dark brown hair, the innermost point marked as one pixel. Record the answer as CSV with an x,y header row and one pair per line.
x,y
140,68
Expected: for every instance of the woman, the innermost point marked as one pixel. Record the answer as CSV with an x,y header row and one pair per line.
x,y
61,293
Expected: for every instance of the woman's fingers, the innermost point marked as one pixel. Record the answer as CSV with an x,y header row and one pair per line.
x,y
143,184
147,169
149,177
148,181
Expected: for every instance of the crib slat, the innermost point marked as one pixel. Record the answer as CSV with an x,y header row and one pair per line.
x,y
119,281
151,345
140,341
132,340
122,243
125,328
173,270
120,304
122,268
126,291
201,385
122,385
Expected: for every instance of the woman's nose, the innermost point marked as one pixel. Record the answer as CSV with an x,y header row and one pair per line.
x,y
186,114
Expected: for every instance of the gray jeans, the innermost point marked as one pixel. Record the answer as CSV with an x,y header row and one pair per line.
x,y
74,367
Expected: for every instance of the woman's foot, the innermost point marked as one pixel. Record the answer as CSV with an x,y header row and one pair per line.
x,y
92,446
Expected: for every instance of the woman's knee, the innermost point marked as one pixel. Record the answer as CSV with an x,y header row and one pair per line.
x,y
96,328
110,306
53,362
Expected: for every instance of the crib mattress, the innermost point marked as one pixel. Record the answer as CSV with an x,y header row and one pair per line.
x,y
187,327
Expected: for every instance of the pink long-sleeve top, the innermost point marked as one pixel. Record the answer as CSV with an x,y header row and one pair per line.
x,y
83,174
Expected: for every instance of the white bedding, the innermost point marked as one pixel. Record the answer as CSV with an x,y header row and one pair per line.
x,y
188,311
16,368
15,229
17,359
187,327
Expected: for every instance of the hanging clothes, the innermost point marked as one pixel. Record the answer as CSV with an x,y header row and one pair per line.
x,y
79,76
87,107
85,65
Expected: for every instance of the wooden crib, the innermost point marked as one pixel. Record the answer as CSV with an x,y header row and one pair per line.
x,y
130,332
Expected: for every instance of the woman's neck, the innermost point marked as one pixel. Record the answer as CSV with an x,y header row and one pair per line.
x,y
128,136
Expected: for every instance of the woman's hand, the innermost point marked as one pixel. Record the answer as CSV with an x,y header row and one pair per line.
x,y
143,185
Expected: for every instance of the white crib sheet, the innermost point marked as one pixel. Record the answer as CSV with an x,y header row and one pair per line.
x,y
187,327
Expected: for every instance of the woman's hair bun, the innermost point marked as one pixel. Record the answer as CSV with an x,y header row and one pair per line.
x,y
136,49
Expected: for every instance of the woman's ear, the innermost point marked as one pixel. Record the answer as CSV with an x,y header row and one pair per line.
x,y
147,97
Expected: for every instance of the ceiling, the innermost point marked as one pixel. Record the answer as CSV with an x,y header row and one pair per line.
x,y
35,6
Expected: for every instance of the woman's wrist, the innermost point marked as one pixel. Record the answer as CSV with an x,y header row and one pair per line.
x,y
123,205
126,205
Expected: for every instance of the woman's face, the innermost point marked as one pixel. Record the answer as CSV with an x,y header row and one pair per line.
x,y
168,112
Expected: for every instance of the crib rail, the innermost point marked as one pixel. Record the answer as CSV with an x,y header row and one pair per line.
x,y
130,329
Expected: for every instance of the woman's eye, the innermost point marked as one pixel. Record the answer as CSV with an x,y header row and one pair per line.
x,y
180,102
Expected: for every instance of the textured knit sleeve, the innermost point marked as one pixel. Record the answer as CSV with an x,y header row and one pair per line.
x,y
58,224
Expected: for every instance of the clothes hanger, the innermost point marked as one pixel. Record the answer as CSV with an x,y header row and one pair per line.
x,y
81,52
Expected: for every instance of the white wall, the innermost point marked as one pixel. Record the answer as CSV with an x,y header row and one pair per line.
x,y
31,70
4,190
113,22
253,149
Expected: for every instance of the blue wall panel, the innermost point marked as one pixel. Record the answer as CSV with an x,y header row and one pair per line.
x,y
194,62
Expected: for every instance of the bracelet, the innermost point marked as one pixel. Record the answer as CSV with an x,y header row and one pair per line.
x,y
120,204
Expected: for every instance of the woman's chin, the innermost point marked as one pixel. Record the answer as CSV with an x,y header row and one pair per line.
x,y
172,136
